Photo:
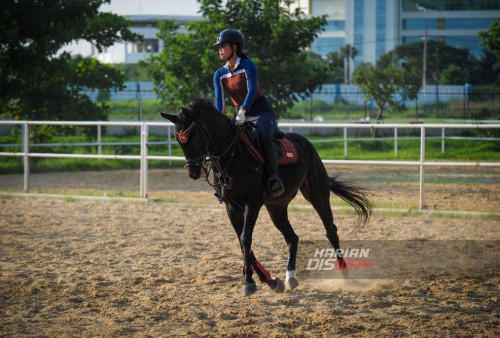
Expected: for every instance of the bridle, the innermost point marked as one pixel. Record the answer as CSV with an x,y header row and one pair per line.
x,y
183,135
207,159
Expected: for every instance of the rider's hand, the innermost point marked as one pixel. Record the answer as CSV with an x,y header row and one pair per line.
x,y
240,118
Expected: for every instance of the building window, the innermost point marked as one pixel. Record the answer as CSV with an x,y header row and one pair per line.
x,y
144,24
380,44
447,23
441,24
335,25
420,24
468,23
410,39
469,42
449,5
358,30
145,46
323,46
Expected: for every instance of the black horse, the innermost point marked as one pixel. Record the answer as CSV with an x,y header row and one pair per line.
x,y
211,140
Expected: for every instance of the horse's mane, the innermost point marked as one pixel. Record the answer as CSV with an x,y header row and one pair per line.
x,y
203,108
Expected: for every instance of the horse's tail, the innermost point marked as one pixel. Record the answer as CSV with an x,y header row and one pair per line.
x,y
357,197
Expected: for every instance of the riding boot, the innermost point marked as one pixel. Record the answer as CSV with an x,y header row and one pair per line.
x,y
278,133
274,184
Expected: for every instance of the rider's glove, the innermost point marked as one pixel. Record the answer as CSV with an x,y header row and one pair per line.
x,y
240,118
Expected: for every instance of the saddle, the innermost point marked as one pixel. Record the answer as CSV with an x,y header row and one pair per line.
x,y
287,153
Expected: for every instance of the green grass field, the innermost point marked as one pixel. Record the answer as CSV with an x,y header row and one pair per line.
x,y
339,111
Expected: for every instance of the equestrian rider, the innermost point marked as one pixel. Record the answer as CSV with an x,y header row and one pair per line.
x,y
239,78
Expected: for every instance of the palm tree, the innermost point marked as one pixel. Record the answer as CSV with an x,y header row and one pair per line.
x,y
348,53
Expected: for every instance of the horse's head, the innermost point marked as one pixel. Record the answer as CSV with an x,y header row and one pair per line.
x,y
201,130
189,135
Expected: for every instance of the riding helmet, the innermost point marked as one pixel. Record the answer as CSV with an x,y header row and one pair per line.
x,y
231,36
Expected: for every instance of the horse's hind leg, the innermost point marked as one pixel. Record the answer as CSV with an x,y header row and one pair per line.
x,y
316,190
279,216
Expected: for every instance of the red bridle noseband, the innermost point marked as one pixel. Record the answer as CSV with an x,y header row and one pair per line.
x,y
183,135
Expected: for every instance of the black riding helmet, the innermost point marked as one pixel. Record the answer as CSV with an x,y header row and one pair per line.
x,y
231,36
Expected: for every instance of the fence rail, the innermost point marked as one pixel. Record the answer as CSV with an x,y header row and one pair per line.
x,y
26,154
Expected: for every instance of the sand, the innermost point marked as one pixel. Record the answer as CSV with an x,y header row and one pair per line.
x,y
172,266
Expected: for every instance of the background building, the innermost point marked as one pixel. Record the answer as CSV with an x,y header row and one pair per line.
x,y
375,27
133,52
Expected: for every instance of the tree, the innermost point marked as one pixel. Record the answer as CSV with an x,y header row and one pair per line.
x,y
452,75
491,60
440,56
348,53
491,37
388,86
336,65
276,40
133,72
35,82
485,69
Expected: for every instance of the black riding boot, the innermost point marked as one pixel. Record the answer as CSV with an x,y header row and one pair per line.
x,y
274,185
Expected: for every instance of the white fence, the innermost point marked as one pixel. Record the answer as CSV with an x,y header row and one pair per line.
x,y
144,134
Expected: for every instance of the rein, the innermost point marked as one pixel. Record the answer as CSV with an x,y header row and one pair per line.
x,y
221,180
183,137
208,161
216,160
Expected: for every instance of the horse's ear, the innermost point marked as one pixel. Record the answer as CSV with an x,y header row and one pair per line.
x,y
171,118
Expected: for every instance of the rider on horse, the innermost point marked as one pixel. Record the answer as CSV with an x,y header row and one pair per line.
x,y
239,77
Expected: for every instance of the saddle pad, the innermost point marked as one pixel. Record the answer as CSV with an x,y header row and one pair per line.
x,y
289,154
252,149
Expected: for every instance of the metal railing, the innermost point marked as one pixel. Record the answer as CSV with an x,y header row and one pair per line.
x,y
144,157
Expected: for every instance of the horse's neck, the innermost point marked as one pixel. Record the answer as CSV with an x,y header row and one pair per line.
x,y
222,135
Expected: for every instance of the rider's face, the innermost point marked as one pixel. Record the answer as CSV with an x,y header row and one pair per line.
x,y
224,50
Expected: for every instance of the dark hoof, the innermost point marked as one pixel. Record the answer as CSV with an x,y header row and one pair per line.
x,y
279,286
249,289
291,283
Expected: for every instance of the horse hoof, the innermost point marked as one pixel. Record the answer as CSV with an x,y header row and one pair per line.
x,y
279,287
291,283
249,289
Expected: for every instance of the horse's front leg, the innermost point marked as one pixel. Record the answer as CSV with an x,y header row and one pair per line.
x,y
251,214
237,217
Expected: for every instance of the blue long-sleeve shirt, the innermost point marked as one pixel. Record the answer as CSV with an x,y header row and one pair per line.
x,y
241,85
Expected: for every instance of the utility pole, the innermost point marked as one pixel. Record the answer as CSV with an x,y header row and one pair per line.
x,y
424,65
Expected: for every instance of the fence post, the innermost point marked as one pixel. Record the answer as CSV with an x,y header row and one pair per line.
x,y
442,140
395,142
422,160
26,159
169,133
146,140
345,142
144,162
99,139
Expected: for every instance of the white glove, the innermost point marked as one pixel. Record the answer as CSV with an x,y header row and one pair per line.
x,y
240,118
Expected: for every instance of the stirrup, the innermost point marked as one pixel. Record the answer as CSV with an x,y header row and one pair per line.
x,y
275,186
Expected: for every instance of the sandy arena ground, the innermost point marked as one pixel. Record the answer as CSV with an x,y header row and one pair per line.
x,y
172,266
